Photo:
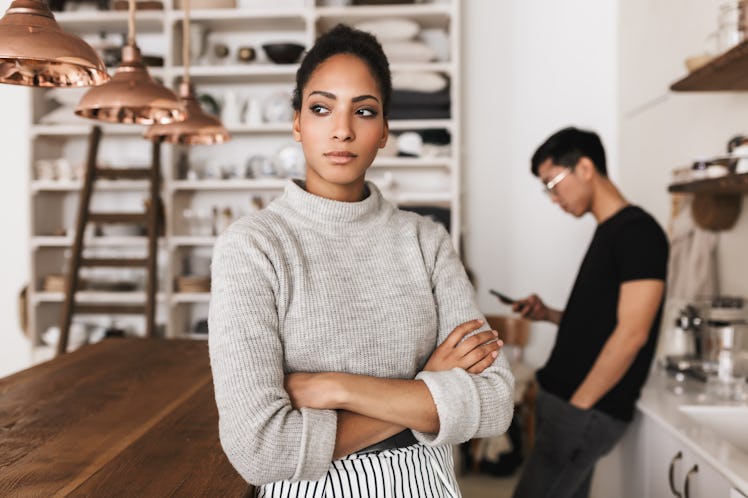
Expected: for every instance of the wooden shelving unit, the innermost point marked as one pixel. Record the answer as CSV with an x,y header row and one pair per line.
x,y
730,184
728,72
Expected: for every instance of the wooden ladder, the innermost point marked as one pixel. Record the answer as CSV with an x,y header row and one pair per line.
x,y
150,218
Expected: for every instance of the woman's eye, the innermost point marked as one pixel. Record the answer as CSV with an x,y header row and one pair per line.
x,y
319,109
367,113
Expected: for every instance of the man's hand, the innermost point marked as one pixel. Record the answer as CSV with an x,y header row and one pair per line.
x,y
474,354
533,308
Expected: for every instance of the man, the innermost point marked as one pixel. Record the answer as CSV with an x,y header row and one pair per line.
x,y
608,331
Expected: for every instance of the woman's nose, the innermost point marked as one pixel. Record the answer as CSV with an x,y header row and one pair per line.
x,y
343,130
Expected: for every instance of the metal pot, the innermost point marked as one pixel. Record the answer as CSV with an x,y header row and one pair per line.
x,y
724,347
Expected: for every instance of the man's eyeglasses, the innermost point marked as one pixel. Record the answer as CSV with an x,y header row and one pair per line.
x,y
550,187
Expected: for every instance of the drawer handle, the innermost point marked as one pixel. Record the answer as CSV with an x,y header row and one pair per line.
x,y
671,474
687,484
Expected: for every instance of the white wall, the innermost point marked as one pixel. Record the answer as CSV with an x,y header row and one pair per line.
x,y
663,130
14,221
530,68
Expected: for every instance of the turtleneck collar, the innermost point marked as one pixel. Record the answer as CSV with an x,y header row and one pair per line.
x,y
331,213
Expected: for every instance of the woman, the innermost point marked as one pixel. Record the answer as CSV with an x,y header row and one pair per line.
x,y
327,308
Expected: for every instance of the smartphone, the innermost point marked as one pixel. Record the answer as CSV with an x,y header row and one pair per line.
x,y
502,297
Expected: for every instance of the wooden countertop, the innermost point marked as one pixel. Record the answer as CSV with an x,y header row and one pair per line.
x,y
131,417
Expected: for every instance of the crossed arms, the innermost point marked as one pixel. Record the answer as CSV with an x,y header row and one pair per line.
x,y
371,409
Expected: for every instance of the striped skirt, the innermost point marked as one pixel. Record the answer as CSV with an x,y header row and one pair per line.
x,y
416,471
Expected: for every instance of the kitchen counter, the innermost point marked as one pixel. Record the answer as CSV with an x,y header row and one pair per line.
x,y
660,400
131,417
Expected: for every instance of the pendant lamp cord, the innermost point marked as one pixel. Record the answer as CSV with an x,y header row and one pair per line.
x,y
131,24
186,41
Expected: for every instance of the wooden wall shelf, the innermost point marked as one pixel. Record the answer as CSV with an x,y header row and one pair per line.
x,y
730,184
728,72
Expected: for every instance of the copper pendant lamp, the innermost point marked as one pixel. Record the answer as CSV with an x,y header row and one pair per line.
x,y
34,51
131,96
199,128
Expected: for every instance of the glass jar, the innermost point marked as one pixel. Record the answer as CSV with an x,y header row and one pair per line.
x,y
726,356
729,26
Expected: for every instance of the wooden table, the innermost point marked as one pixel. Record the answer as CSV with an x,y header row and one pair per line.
x,y
124,417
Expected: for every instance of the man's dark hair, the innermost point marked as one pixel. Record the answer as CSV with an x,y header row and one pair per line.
x,y
343,39
566,147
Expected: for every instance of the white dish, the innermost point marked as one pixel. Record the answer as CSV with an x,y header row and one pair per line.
x,y
390,29
419,81
290,161
408,51
277,108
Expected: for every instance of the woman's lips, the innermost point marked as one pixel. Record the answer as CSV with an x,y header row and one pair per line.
x,y
340,156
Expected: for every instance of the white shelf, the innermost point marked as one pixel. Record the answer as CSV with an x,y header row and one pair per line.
x,y
246,18
94,21
96,297
70,130
238,184
420,124
190,297
428,15
100,185
195,336
266,128
50,241
235,73
436,67
53,241
192,240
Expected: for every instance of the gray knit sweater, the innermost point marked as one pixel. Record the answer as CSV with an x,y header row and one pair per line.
x,y
310,285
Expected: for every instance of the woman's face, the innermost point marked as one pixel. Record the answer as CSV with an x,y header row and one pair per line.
x,y
340,126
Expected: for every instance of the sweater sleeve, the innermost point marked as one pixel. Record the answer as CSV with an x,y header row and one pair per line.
x,y
468,405
264,438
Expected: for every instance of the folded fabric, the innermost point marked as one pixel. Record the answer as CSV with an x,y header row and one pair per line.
x,y
438,40
419,81
692,271
390,29
420,99
408,51
436,136
420,113
420,105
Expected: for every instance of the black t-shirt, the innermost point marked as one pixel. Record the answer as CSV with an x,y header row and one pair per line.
x,y
629,245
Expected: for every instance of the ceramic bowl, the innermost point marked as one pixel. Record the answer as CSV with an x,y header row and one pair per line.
x,y
283,53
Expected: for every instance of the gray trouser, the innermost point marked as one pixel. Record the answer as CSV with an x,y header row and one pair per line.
x,y
569,442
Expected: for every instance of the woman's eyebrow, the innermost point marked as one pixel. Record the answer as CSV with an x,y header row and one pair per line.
x,y
364,97
324,94
332,96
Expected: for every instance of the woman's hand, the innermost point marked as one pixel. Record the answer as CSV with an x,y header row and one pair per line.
x,y
312,390
474,354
